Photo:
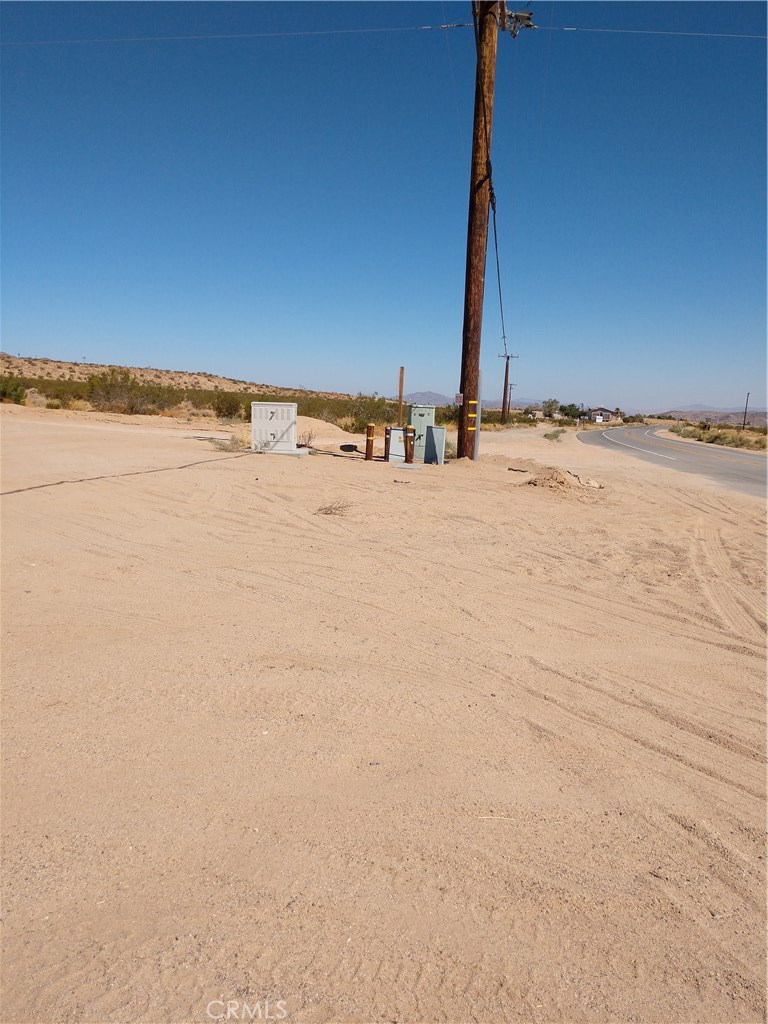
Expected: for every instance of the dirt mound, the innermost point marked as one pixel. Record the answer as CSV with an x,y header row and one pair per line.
x,y
554,478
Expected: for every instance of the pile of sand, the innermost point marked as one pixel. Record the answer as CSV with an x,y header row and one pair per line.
x,y
557,479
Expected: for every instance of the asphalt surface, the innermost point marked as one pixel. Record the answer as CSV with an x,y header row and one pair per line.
x,y
732,468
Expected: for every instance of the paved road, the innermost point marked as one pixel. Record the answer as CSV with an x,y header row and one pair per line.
x,y
730,467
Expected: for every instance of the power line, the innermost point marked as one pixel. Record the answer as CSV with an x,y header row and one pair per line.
x,y
650,32
233,35
362,31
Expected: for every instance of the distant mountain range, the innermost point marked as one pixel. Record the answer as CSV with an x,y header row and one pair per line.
x,y
701,407
697,411
427,398
755,417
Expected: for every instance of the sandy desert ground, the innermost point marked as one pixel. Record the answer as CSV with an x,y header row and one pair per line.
x,y
488,746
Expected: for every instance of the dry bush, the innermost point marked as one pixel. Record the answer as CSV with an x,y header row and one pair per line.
x,y
232,444
729,437
34,399
306,439
334,508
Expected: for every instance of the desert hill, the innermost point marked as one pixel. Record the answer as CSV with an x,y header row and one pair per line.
x,y
57,369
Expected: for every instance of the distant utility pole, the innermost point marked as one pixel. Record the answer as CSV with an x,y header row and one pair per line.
x,y
505,395
746,406
488,18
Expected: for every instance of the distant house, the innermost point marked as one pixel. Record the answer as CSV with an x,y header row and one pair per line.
x,y
601,415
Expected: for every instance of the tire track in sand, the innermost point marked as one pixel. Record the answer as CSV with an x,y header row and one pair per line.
x,y
726,593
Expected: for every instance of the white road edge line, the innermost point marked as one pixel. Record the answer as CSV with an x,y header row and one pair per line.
x,y
635,448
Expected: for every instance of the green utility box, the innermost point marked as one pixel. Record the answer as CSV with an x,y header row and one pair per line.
x,y
421,417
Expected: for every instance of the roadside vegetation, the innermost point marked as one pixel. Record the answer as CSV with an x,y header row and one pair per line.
x,y
753,438
12,389
117,390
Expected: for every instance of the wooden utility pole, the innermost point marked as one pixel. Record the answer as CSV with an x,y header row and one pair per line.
x,y
487,30
746,406
505,396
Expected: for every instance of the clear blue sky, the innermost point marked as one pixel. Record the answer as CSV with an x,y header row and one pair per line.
x,y
292,209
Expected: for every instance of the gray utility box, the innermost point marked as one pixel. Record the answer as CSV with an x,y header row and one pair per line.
x,y
420,417
435,451
273,427
397,445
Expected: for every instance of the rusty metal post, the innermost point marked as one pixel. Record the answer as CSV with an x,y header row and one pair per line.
x,y
410,440
370,430
477,223
387,442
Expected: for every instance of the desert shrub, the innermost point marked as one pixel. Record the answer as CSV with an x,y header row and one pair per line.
x,y
228,404
12,389
492,417
116,390
66,391
371,409
53,403
450,450
733,437
306,439
446,414
554,435
353,413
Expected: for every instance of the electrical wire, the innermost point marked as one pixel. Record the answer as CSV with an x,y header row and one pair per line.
x,y
650,32
362,31
234,35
